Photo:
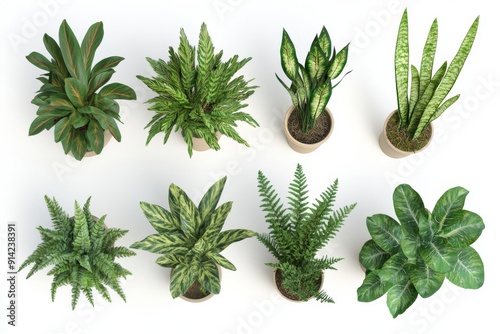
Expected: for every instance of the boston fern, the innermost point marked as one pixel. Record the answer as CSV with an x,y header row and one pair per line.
x,y
200,99
190,239
427,90
73,98
298,232
413,256
311,86
82,252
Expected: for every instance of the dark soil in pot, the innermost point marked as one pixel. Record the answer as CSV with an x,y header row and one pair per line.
x,y
400,139
195,291
318,133
278,279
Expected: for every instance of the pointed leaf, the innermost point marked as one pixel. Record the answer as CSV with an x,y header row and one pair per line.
x,y
41,123
468,272
216,222
161,220
449,206
71,52
118,91
289,61
464,230
400,297
95,136
171,243
209,277
226,238
393,271
425,280
316,61
39,61
372,288
105,64
319,99
385,231
90,43
55,52
371,256
401,64
221,260
183,276
210,199
439,255
78,144
428,54
169,260
325,42
338,63
76,91
62,128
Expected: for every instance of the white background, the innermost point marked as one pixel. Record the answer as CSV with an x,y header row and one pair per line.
x,y
464,152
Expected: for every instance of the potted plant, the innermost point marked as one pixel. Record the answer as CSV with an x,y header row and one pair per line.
x,y
190,239
296,235
409,129
413,256
82,251
308,122
197,94
73,98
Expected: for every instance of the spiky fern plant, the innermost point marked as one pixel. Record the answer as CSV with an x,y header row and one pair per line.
x,y
197,93
298,232
190,238
311,86
423,100
73,98
82,252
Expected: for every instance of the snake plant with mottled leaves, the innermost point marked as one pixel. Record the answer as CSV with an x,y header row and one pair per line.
x,y
73,98
311,87
427,90
190,238
413,256
82,251
200,99
298,232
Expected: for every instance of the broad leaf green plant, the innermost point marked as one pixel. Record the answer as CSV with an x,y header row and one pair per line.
x,y
190,238
421,100
311,83
74,97
413,257
82,253
298,232
198,94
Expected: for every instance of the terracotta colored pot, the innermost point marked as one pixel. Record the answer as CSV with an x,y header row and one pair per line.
x,y
200,145
302,147
392,151
282,290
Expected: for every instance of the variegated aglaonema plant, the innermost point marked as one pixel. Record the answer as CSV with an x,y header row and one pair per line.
x,y
82,253
427,91
311,87
412,257
190,238
73,98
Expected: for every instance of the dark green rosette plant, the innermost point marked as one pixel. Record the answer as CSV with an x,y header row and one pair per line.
x,y
298,232
422,100
190,238
74,97
311,86
82,251
412,257
198,94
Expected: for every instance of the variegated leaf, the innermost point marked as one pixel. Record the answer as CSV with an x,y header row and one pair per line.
x,y
468,271
385,231
161,220
372,288
400,297
371,256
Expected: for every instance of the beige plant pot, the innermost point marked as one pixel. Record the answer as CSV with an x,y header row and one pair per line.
x,y
283,292
302,147
200,145
107,138
392,151
195,286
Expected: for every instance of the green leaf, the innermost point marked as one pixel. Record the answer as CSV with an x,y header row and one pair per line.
x,y
427,227
71,52
428,55
372,288
210,199
449,206
468,272
400,297
78,144
81,241
385,231
95,136
39,61
55,52
414,95
226,238
62,129
209,277
216,222
371,256
105,64
42,122
316,61
464,231
76,91
169,260
183,276
439,255
188,213
163,243
99,80
220,260
78,119
118,91
161,220
393,271
401,64
338,63
90,43
289,61
425,280
319,99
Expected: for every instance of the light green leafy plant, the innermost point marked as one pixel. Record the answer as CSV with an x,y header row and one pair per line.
x,y
82,252
413,256
427,91
73,98
200,99
298,232
311,86
190,238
